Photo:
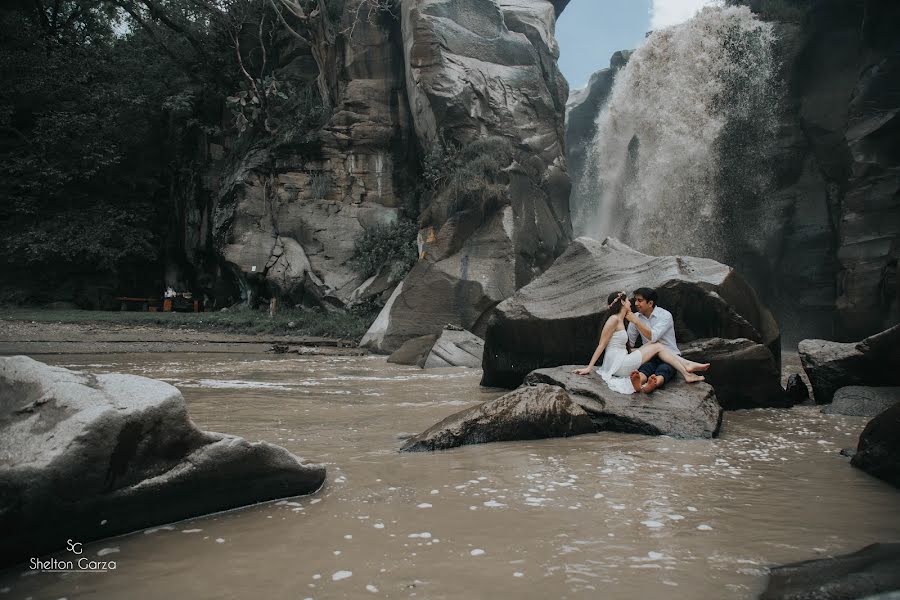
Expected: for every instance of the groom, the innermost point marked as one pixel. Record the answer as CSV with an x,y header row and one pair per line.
x,y
653,324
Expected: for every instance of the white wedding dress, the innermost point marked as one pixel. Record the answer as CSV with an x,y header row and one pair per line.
x,y
618,364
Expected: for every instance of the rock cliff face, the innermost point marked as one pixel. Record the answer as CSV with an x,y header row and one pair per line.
x,y
286,217
839,178
426,76
482,69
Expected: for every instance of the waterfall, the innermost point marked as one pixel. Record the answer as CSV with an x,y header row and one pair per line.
x,y
679,161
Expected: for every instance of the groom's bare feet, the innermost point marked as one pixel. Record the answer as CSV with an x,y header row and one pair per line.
x,y
653,382
698,367
691,378
635,380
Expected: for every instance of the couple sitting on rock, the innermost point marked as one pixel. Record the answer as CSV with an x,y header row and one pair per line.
x,y
653,364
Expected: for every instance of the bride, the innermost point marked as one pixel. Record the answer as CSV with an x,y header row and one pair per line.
x,y
619,367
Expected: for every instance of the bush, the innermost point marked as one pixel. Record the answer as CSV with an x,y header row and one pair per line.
x,y
471,177
393,244
319,184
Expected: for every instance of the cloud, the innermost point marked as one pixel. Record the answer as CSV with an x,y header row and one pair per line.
x,y
664,13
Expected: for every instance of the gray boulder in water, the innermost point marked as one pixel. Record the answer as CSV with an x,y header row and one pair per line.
x,y
456,348
558,403
414,351
874,361
681,410
878,452
862,401
743,373
453,347
528,413
86,456
555,320
867,573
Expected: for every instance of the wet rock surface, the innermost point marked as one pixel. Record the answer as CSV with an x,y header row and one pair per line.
x,y
678,409
862,401
91,456
528,413
874,361
743,373
867,573
878,452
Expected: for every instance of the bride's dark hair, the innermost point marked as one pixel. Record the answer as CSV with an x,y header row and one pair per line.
x,y
613,306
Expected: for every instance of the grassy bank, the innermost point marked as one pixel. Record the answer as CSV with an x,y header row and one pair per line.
x,y
349,325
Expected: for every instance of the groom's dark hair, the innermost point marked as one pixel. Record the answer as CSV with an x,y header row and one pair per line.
x,y
648,294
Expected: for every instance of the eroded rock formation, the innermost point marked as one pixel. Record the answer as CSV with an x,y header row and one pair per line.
x,y
555,320
479,69
874,361
529,413
91,456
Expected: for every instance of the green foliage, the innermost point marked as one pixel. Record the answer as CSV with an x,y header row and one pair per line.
x,y
393,245
470,178
302,114
78,109
319,184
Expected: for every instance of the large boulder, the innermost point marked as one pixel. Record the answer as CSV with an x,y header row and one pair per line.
x,y
878,451
91,456
864,574
555,319
874,361
862,401
743,373
456,348
414,351
528,413
682,410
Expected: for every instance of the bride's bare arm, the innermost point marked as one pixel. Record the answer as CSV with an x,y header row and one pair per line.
x,y
608,329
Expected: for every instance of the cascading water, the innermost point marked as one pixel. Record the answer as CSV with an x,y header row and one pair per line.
x,y
679,161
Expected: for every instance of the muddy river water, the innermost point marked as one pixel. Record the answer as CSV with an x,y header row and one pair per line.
x,y
605,515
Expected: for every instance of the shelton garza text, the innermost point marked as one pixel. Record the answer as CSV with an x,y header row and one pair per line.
x,y
82,564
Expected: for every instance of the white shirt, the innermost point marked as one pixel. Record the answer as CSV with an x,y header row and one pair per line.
x,y
662,328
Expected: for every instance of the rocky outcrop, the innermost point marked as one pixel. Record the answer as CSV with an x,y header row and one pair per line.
x,y
861,401
875,361
529,413
414,351
878,451
555,320
796,389
91,456
838,170
456,348
678,409
288,209
483,71
867,573
743,373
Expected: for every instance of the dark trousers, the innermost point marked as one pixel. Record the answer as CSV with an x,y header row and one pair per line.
x,y
654,366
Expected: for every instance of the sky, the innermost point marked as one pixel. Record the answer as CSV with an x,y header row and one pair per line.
x,y
589,31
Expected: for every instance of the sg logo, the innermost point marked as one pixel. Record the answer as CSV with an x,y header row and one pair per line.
x,y
73,547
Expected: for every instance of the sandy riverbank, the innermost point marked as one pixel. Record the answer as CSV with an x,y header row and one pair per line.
x,y
40,338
